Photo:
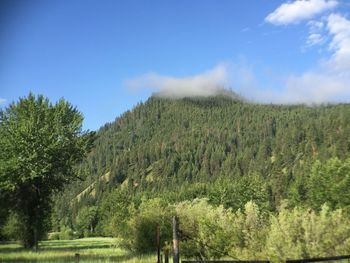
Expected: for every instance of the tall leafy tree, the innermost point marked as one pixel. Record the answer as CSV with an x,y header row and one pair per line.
x,y
40,143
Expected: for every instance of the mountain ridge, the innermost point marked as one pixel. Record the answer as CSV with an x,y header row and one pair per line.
x,y
164,143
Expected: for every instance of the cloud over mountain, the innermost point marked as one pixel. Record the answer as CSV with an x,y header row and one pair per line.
x,y
205,84
327,81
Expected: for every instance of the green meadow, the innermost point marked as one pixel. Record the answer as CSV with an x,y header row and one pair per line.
x,y
90,250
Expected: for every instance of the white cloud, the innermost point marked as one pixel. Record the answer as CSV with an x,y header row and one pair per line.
x,y
317,87
329,80
315,26
312,87
314,39
2,101
299,10
317,34
339,28
205,84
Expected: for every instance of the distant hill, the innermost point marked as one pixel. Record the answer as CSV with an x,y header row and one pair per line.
x,y
183,146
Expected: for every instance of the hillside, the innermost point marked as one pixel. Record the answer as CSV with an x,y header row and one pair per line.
x,y
198,156
179,146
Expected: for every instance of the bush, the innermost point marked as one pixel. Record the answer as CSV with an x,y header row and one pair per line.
x,y
141,236
86,221
206,231
114,213
303,233
66,233
250,230
53,236
12,228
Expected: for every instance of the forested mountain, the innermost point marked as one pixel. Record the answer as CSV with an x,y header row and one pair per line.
x,y
163,143
222,148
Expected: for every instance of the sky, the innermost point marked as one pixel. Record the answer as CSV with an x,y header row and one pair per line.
x,y
106,56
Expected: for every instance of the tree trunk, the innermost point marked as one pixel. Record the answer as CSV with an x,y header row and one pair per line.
x,y
36,240
29,237
176,251
33,222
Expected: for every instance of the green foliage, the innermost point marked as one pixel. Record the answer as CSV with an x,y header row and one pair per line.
x,y
285,239
40,145
236,192
86,221
225,167
12,228
303,233
53,236
250,229
170,148
330,183
209,232
143,225
91,250
66,233
206,230
114,213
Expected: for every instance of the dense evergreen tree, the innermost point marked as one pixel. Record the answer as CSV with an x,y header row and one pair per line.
x,y
163,143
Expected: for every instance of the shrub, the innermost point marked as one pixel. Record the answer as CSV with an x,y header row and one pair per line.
x,y
249,233
12,228
141,236
86,221
303,233
53,236
206,231
66,233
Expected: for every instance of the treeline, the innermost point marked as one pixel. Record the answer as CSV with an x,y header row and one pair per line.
x,y
225,150
213,229
231,219
223,156
164,144
212,232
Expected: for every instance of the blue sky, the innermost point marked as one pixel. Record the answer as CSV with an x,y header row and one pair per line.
x,y
105,56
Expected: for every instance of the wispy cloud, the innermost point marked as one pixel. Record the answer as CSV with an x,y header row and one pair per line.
x,y
204,84
326,82
339,28
312,87
314,39
315,86
2,101
329,80
299,10
315,26
317,35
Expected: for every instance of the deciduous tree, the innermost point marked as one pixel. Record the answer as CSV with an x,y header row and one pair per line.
x,y
40,145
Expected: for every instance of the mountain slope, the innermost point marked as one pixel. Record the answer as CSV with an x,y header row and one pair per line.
x,y
164,144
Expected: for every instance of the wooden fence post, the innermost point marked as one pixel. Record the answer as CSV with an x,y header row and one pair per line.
x,y
158,244
77,257
176,250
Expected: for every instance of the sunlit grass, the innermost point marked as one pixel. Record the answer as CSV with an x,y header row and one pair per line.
x,y
89,249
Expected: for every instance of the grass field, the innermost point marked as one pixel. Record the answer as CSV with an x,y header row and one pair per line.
x,y
90,250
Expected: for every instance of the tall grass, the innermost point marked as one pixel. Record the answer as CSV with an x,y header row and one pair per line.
x,y
89,249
